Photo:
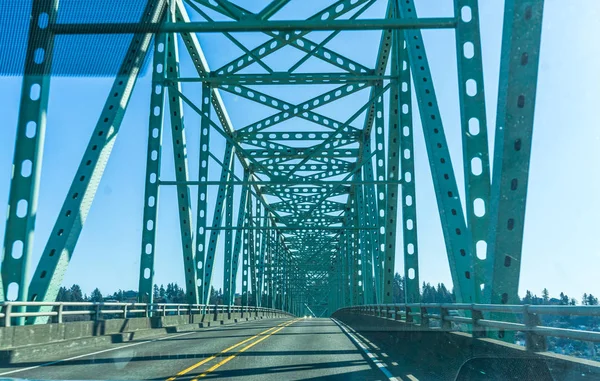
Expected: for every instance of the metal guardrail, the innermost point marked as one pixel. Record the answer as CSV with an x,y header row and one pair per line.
x,y
420,314
120,310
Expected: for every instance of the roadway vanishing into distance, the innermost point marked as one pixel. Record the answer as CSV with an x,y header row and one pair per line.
x,y
277,349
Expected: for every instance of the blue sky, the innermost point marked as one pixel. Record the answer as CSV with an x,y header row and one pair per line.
x,y
561,245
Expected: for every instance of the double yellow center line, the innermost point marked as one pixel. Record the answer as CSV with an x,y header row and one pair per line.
x,y
265,334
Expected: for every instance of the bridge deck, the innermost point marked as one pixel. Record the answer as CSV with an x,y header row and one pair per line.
x,y
287,349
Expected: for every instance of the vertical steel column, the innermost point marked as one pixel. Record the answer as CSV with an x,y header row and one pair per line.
x,y
391,213
29,146
456,235
401,98
255,255
357,284
278,272
380,161
373,217
286,281
476,159
178,138
246,250
512,151
228,250
261,252
269,264
153,166
226,176
346,265
59,249
367,294
201,217
239,239
252,249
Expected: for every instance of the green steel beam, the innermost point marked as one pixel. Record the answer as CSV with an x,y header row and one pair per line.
x,y
512,152
218,213
403,130
366,266
153,166
476,160
296,40
246,251
380,198
271,9
228,261
327,39
306,106
281,105
197,55
55,258
252,245
275,27
202,203
184,203
231,38
457,237
288,79
230,278
27,161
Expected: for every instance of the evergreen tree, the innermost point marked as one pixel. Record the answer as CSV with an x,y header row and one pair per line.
x,y
564,299
398,289
162,292
155,292
76,294
64,295
545,295
96,296
572,302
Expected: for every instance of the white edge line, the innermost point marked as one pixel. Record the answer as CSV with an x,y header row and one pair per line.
x,y
380,364
108,350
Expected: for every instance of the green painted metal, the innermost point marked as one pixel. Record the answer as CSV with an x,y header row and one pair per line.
x,y
239,240
153,166
456,235
401,125
55,258
277,28
218,212
184,203
252,252
317,215
246,252
202,203
31,129
229,250
512,152
378,198
476,161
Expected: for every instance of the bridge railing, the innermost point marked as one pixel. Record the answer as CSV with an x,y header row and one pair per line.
x,y
423,316
57,311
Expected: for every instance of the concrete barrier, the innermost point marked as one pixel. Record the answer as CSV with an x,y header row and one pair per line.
x,y
449,351
37,342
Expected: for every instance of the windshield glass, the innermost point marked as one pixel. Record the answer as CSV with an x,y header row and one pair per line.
x,y
352,189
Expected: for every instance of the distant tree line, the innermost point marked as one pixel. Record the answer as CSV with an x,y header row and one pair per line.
x,y
441,294
429,294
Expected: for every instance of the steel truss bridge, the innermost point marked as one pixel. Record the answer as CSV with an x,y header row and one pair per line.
x,y
307,205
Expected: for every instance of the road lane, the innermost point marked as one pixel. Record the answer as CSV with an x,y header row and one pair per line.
x,y
157,359
278,349
306,349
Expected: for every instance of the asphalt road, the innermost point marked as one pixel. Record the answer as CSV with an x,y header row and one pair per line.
x,y
279,349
